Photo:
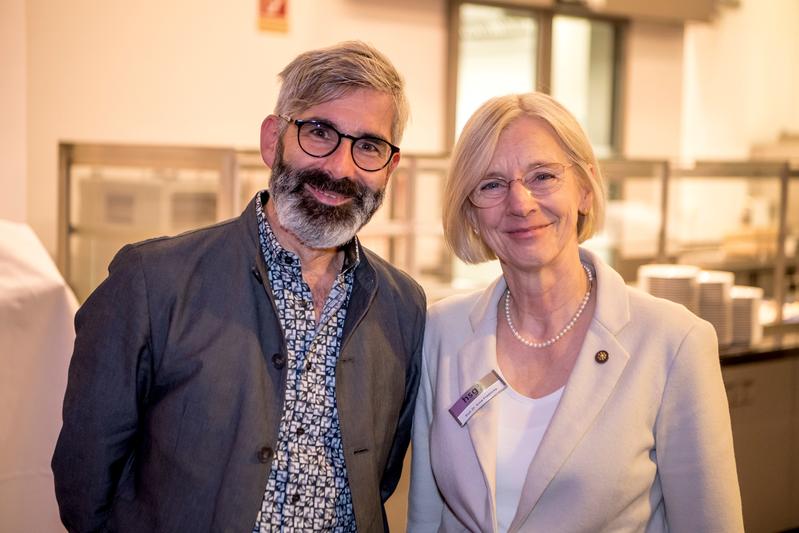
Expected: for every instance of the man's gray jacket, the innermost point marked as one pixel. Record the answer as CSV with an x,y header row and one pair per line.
x,y
177,380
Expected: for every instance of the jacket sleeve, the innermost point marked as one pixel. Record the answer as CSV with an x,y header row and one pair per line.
x,y
425,505
105,390
694,448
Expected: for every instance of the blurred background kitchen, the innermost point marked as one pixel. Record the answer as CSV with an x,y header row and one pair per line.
x,y
127,120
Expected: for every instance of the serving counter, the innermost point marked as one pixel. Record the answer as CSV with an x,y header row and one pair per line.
x,y
762,383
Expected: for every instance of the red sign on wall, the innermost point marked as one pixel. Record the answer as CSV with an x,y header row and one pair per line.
x,y
273,15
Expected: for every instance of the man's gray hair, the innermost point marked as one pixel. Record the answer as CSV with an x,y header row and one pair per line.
x,y
319,76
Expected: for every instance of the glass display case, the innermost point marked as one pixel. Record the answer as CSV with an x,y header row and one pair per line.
x,y
111,195
633,230
734,216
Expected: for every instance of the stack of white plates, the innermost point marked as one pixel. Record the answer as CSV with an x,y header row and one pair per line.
x,y
673,282
746,326
715,304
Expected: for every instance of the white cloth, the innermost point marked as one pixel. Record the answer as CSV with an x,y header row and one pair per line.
x,y
36,337
520,428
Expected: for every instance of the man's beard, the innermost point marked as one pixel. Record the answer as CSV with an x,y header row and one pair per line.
x,y
315,224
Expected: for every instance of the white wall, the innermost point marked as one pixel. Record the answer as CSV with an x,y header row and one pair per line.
x,y
199,73
713,90
741,79
13,135
653,90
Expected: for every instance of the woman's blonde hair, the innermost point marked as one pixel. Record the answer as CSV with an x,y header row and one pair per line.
x,y
319,76
473,153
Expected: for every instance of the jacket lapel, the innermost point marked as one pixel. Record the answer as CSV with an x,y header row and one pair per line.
x,y
587,390
355,415
476,358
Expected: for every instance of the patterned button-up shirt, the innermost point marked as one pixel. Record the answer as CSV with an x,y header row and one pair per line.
x,y
307,488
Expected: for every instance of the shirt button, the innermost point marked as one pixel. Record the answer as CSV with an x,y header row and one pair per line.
x,y
295,498
265,454
300,431
279,361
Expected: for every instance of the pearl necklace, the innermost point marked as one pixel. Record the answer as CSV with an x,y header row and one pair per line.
x,y
562,332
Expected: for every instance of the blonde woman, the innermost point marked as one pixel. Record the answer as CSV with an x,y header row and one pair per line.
x,y
558,398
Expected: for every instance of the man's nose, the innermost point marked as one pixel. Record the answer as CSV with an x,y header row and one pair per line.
x,y
340,163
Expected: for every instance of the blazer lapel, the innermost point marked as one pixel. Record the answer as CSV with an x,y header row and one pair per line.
x,y
587,390
476,358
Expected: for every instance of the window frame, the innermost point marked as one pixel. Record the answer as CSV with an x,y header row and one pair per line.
x,y
544,16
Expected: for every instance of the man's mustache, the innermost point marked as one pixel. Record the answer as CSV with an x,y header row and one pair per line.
x,y
321,180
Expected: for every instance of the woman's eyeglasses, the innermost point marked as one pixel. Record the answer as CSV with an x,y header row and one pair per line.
x,y
539,181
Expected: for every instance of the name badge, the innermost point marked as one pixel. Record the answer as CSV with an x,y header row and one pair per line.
x,y
476,397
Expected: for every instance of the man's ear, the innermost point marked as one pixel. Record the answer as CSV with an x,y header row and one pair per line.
x,y
395,159
270,134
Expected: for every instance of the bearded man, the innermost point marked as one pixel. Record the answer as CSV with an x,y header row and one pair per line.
x,y
260,374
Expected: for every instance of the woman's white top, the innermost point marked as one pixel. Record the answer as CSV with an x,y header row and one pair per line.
x,y
522,423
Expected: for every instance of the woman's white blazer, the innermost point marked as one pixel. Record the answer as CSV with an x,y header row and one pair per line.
x,y
640,442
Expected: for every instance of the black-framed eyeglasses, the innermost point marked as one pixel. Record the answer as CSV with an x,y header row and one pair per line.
x,y
319,139
541,180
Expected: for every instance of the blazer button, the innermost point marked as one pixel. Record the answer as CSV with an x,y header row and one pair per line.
x,y
265,454
601,356
278,360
